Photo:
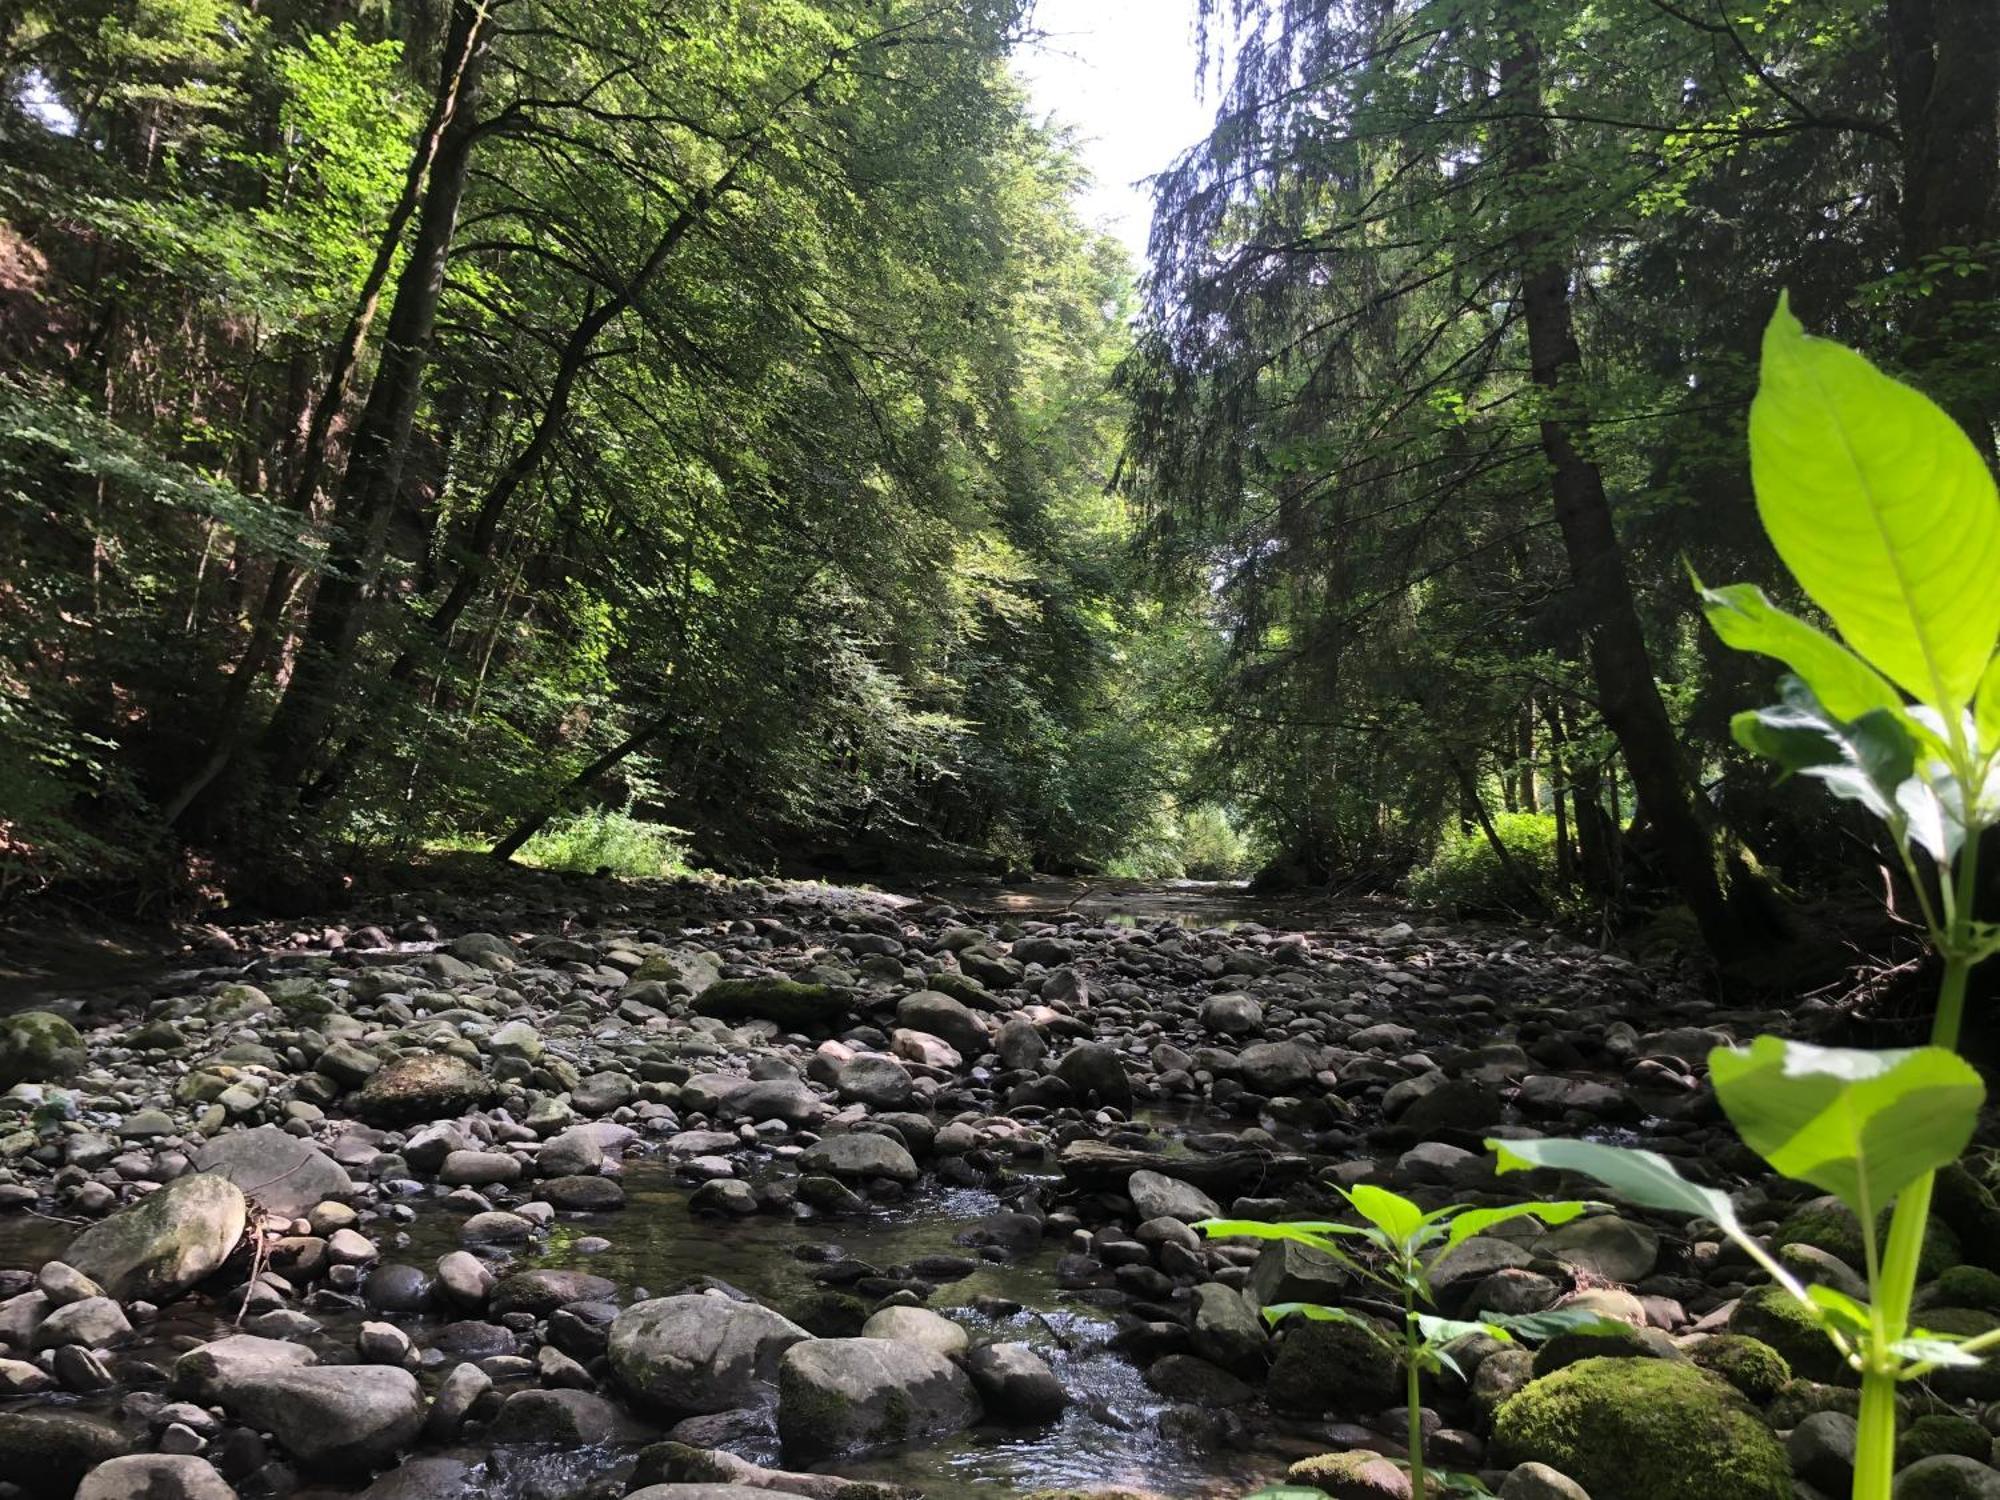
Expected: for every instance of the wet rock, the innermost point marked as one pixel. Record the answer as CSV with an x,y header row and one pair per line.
x,y
240,1359
542,1292
38,1046
1227,1330
1234,1014
874,1080
841,1395
918,1326
1015,1384
1275,1067
1821,1450
94,1322
698,1353
1186,1377
155,1476
479,1168
571,1153
942,1016
584,1195
166,1242
1334,1367
340,1419
1096,1070
1947,1476
1352,1476
568,1418
422,1086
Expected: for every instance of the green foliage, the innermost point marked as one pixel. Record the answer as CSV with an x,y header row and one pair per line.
x,y
1465,875
603,840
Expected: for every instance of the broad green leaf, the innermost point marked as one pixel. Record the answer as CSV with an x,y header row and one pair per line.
x,y
1839,1310
1393,1214
1861,1125
1986,708
1546,1325
1748,621
1444,1330
1882,509
1870,760
1643,1178
1319,1312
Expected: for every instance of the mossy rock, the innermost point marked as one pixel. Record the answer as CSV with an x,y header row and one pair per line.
x,y
38,1046
783,1002
1947,1476
1799,1399
422,1086
1639,1429
1943,1432
1773,1316
1335,1367
1751,1365
1966,1286
1829,1225
1608,1341
962,988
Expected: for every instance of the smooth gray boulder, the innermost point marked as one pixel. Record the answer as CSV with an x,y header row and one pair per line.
x,y
698,1353
336,1418
839,1395
155,1476
279,1173
164,1243
860,1153
1158,1196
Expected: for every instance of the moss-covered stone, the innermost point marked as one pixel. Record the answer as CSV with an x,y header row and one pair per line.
x,y
1771,1314
1947,1476
1829,1225
422,1086
1638,1429
38,1046
1355,1476
783,1002
962,988
1751,1365
1943,1432
1335,1367
1967,1286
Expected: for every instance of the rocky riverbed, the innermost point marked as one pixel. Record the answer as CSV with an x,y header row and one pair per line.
x,y
715,1191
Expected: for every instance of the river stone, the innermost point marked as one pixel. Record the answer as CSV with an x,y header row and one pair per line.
x,y
164,1243
859,1153
1227,1331
281,1174
50,1453
839,1395
422,1086
340,1418
1275,1067
541,1292
38,1046
919,1326
575,1152
155,1476
240,1359
1234,1014
1286,1271
942,1016
700,1492
698,1353
584,1195
1540,1482
1158,1196
1821,1450
1096,1068
93,1322
433,1479
1605,1245
876,1081
569,1418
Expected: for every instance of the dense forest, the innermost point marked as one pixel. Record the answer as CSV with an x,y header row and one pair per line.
x,y
710,425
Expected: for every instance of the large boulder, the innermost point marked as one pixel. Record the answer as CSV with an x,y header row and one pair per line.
x,y
1335,1367
874,1080
38,1046
230,1363
942,1016
1015,1383
698,1353
783,1002
279,1173
860,1154
1275,1067
336,1418
1637,1429
1158,1196
155,1476
164,1243
1608,1247
422,1086
1095,1070
839,1395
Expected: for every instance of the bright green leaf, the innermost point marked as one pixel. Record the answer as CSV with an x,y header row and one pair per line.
x,y
1839,1310
1861,1125
1748,621
1396,1216
1882,509
1479,1220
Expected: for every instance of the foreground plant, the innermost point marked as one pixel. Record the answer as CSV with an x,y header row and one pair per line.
x,y
1404,1248
1888,518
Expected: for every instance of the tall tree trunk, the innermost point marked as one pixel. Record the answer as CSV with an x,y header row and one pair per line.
x,y
451,120
1620,661
372,481
1945,56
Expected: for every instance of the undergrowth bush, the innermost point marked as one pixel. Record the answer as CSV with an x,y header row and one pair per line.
x,y
1195,843
600,839
1465,875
